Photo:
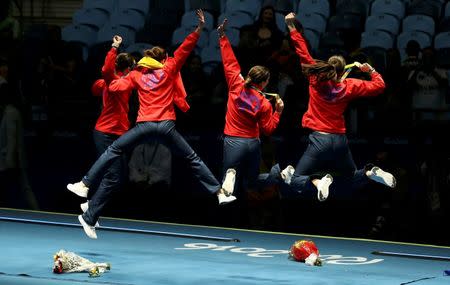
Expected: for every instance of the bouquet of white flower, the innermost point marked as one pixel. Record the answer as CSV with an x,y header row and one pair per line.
x,y
66,262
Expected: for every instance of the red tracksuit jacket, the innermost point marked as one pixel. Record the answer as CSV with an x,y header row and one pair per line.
x,y
248,111
114,116
159,89
328,100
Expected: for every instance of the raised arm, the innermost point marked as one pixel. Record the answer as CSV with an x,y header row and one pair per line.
x,y
366,88
230,63
109,67
300,45
182,52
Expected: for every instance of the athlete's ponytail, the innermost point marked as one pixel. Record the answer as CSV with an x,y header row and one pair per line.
x,y
325,70
257,74
157,53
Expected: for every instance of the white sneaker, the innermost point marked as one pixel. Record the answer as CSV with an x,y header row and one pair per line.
x,y
383,177
287,174
224,199
79,188
323,187
89,230
229,181
84,207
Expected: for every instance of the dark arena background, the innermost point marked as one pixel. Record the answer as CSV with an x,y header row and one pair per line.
x,y
162,227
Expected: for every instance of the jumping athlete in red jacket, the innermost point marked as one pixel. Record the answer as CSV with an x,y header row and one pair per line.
x,y
248,113
329,95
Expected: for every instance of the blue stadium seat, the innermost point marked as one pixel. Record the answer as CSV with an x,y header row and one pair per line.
x,y
331,40
279,19
142,6
422,38
431,8
383,22
79,33
128,18
251,7
189,20
447,10
313,38
422,23
161,22
106,33
236,19
285,6
166,6
312,21
357,7
442,40
181,33
92,17
377,38
321,7
105,5
84,35
211,58
212,6
393,7
232,34
348,22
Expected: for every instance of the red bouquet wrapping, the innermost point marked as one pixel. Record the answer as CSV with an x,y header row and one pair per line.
x,y
305,251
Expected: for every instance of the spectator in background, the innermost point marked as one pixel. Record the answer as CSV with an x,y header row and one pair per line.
x,y
259,40
268,35
16,190
283,63
280,63
428,85
412,60
66,92
9,26
428,88
246,49
197,85
4,72
51,61
62,81
394,112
